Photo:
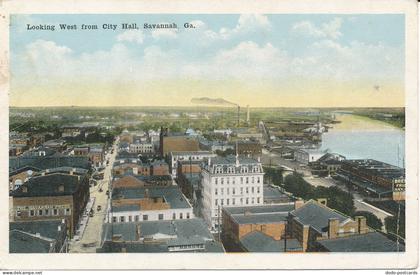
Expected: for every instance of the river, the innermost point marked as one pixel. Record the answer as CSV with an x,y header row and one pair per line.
x,y
360,137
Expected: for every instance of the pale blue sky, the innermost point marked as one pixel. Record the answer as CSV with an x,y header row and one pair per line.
x,y
353,47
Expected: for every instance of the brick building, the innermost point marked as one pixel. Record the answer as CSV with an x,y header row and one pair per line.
x,y
176,142
52,196
375,177
269,220
314,221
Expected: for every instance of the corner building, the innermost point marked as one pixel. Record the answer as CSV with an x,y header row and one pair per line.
x,y
230,181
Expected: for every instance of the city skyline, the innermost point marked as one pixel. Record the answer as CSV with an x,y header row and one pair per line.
x,y
257,60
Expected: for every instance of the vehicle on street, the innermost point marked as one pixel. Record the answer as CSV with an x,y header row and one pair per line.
x,y
100,189
107,192
98,208
91,213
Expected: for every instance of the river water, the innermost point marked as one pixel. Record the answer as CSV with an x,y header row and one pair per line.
x,y
359,137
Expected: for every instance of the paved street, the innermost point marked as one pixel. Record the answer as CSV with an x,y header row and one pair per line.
x,y
92,234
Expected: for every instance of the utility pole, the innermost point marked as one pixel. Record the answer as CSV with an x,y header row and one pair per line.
x,y
398,227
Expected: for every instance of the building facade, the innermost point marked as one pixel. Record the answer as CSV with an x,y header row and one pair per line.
x,y
230,181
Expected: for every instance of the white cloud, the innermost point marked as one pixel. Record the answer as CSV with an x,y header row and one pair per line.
x,y
330,30
136,36
164,33
247,23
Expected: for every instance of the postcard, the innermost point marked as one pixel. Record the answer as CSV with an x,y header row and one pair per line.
x,y
209,135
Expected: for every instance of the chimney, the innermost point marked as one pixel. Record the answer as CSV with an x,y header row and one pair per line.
x,y
362,227
299,203
333,224
305,237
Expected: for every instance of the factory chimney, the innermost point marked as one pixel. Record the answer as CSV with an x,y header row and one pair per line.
x,y
239,109
247,114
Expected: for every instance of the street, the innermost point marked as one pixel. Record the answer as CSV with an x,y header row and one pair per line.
x,y
90,240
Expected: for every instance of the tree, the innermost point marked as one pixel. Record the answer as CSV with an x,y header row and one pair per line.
x,y
371,219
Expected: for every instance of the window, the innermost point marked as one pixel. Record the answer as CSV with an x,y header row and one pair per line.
x,y
40,212
227,190
114,219
160,217
221,191
215,191
247,201
258,180
130,219
242,180
247,180
145,217
18,213
215,202
46,212
173,216
221,201
122,219
252,201
258,189
188,215
242,190
221,180
180,216
242,201
31,213
136,218
227,180
233,191
55,212
252,189
67,211
252,180
247,190
258,200
233,180
233,201
227,201
215,180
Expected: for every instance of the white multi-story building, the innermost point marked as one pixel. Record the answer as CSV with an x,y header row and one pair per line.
x,y
142,148
305,156
190,155
230,181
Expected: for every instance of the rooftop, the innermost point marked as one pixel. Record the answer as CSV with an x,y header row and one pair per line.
x,y
261,209
187,153
259,242
317,215
23,242
45,162
369,242
172,195
158,236
49,185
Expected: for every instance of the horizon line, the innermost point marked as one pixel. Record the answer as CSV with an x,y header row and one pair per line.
x,y
203,106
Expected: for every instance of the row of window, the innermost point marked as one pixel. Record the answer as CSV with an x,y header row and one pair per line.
x,y
136,218
216,191
231,169
44,212
233,201
242,180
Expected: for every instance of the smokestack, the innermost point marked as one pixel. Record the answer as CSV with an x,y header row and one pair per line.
x,y
247,114
239,109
